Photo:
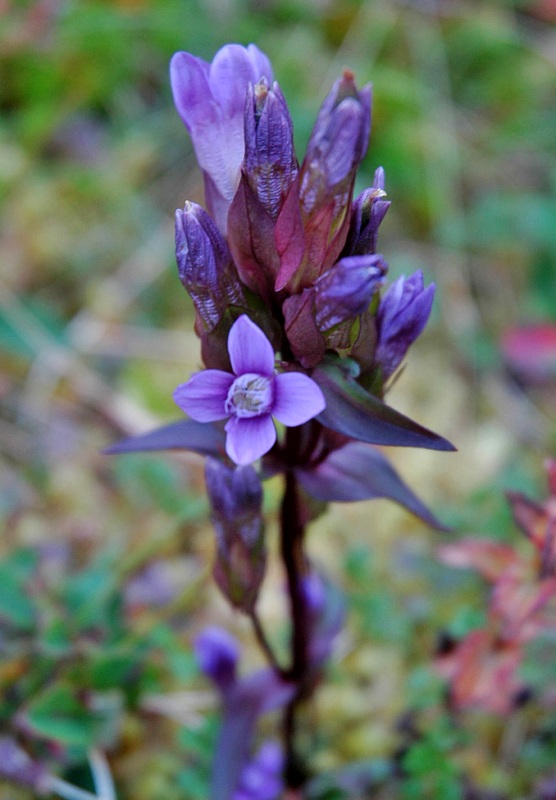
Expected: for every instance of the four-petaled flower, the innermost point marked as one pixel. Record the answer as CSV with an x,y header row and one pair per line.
x,y
251,396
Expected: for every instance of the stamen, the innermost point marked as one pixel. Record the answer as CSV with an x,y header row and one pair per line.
x,y
250,395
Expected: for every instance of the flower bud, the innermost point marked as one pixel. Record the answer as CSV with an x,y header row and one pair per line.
x,y
269,169
217,654
236,500
210,99
205,265
401,317
337,144
367,212
312,226
270,163
345,290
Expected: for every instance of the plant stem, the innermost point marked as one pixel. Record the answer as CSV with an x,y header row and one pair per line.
x,y
292,535
263,641
68,790
102,776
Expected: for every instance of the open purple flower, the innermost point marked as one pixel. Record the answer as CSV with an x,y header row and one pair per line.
x,y
210,99
251,396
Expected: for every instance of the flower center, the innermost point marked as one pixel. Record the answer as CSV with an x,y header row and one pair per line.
x,y
250,395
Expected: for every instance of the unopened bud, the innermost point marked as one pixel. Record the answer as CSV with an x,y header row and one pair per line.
x,y
345,290
205,265
401,317
270,164
338,142
236,500
367,212
312,226
217,653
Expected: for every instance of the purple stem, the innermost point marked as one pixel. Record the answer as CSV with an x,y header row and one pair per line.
x,y
295,564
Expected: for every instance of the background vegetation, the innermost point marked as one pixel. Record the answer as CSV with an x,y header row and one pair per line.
x,y
104,563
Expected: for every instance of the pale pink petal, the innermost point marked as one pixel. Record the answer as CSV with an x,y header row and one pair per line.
x,y
204,394
297,398
249,439
249,349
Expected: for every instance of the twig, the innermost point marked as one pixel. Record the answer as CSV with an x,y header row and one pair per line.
x,y
102,776
68,790
263,641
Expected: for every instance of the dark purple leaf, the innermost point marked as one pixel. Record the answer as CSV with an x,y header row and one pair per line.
x,y
356,413
201,437
358,471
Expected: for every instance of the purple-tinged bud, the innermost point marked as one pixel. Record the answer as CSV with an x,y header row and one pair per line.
x,y
337,144
312,227
401,317
17,766
217,653
210,99
236,498
269,169
205,265
367,212
345,290
270,163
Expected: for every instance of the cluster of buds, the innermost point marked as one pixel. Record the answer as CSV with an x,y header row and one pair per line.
x,y
483,668
283,261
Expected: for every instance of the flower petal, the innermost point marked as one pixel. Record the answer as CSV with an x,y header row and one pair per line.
x,y
297,398
249,439
249,349
204,394
189,78
233,68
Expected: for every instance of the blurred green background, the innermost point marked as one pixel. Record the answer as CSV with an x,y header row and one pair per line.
x,y
95,332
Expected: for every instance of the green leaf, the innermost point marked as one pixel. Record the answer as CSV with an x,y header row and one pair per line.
x,y
56,714
16,606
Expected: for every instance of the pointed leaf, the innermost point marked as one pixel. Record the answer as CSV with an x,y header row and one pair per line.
x,y
201,437
356,413
359,471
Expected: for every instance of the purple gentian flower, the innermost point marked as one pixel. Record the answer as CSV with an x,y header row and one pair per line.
x,y
210,99
244,700
261,778
251,396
